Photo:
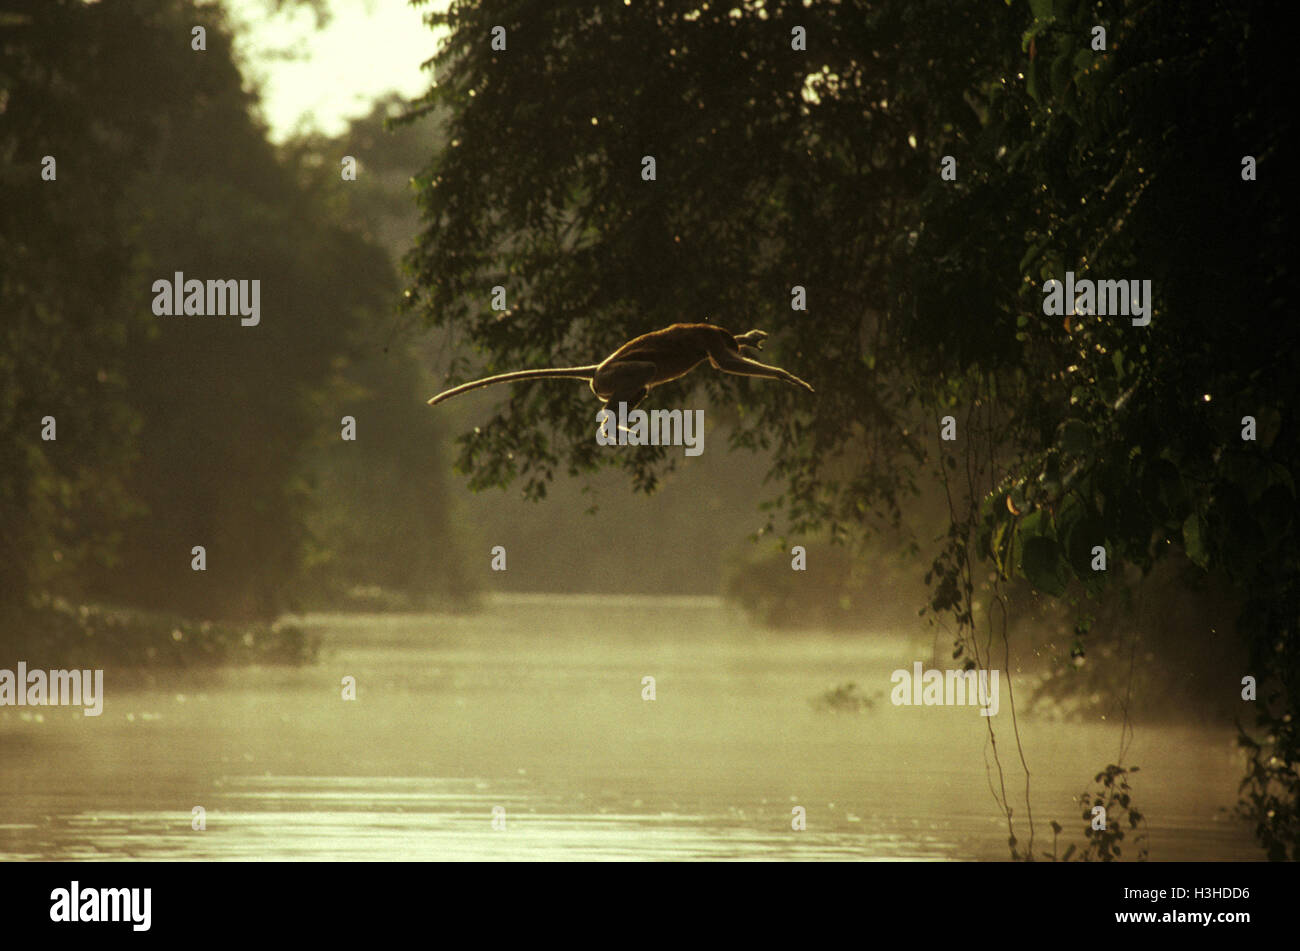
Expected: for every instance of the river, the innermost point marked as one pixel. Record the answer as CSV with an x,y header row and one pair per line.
x,y
523,732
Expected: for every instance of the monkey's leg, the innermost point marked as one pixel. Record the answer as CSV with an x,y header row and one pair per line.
x,y
632,398
623,382
729,362
627,377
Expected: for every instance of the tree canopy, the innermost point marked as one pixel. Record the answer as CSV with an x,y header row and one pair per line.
x,y
1147,151
177,431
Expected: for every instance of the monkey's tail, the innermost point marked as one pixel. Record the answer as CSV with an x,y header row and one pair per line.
x,y
556,373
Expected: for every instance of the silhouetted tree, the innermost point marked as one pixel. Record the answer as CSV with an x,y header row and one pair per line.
x,y
777,166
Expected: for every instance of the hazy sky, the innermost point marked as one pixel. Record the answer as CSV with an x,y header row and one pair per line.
x,y
323,77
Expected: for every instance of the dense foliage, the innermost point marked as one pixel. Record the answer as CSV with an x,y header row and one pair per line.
x,y
779,167
180,431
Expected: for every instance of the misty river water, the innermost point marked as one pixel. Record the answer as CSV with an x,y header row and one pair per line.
x,y
533,711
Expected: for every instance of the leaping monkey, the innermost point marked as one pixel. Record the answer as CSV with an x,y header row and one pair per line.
x,y
629,373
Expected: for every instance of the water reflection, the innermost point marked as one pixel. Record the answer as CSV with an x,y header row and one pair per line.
x,y
535,708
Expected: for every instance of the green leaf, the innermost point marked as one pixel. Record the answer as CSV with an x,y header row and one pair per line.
x,y
1086,534
1279,475
1043,565
1061,73
1080,529
1194,540
1074,437
1035,524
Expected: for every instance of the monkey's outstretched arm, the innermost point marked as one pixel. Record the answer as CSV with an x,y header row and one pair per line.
x,y
554,373
730,362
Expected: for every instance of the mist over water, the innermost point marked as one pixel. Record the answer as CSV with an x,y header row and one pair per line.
x,y
535,705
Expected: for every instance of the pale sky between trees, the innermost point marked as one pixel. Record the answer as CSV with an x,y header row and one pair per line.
x,y
321,78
